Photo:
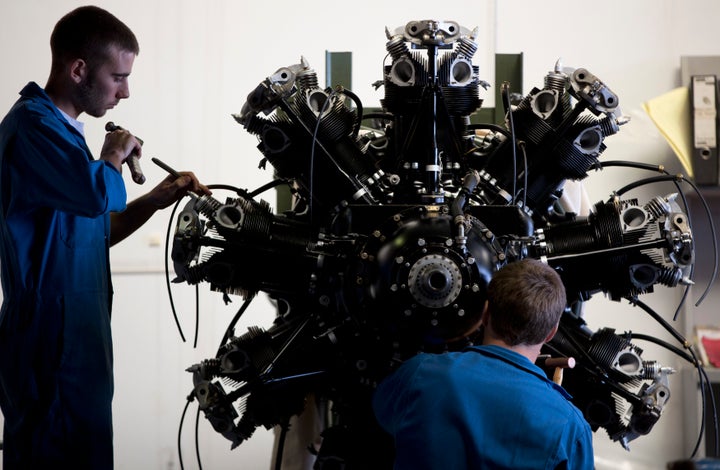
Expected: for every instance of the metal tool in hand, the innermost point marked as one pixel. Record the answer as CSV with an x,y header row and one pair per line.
x,y
173,172
133,161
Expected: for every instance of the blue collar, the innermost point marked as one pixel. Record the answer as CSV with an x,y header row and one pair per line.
x,y
518,360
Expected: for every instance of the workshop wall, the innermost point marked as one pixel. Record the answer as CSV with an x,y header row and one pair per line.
x,y
199,60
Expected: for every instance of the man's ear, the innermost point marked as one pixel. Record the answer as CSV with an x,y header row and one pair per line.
x,y
551,335
485,317
78,70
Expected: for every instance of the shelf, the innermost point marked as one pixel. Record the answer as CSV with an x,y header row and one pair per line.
x,y
713,374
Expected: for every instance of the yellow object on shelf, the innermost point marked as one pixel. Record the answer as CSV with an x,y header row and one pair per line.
x,y
671,114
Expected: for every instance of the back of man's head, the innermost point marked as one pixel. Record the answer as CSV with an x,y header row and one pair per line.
x,y
525,301
87,33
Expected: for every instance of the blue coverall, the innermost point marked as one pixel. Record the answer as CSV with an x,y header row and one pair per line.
x,y
484,408
56,379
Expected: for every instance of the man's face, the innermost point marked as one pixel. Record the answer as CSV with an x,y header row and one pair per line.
x,y
105,85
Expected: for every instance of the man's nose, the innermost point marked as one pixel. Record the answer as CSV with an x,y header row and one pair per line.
x,y
123,92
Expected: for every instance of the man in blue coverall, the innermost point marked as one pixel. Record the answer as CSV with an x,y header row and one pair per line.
x,y
489,406
60,211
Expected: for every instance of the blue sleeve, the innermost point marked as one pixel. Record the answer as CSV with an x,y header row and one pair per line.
x,y
580,455
390,396
410,405
55,168
585,457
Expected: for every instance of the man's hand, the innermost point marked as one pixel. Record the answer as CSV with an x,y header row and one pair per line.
x,y
172,189
168,191
118,146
